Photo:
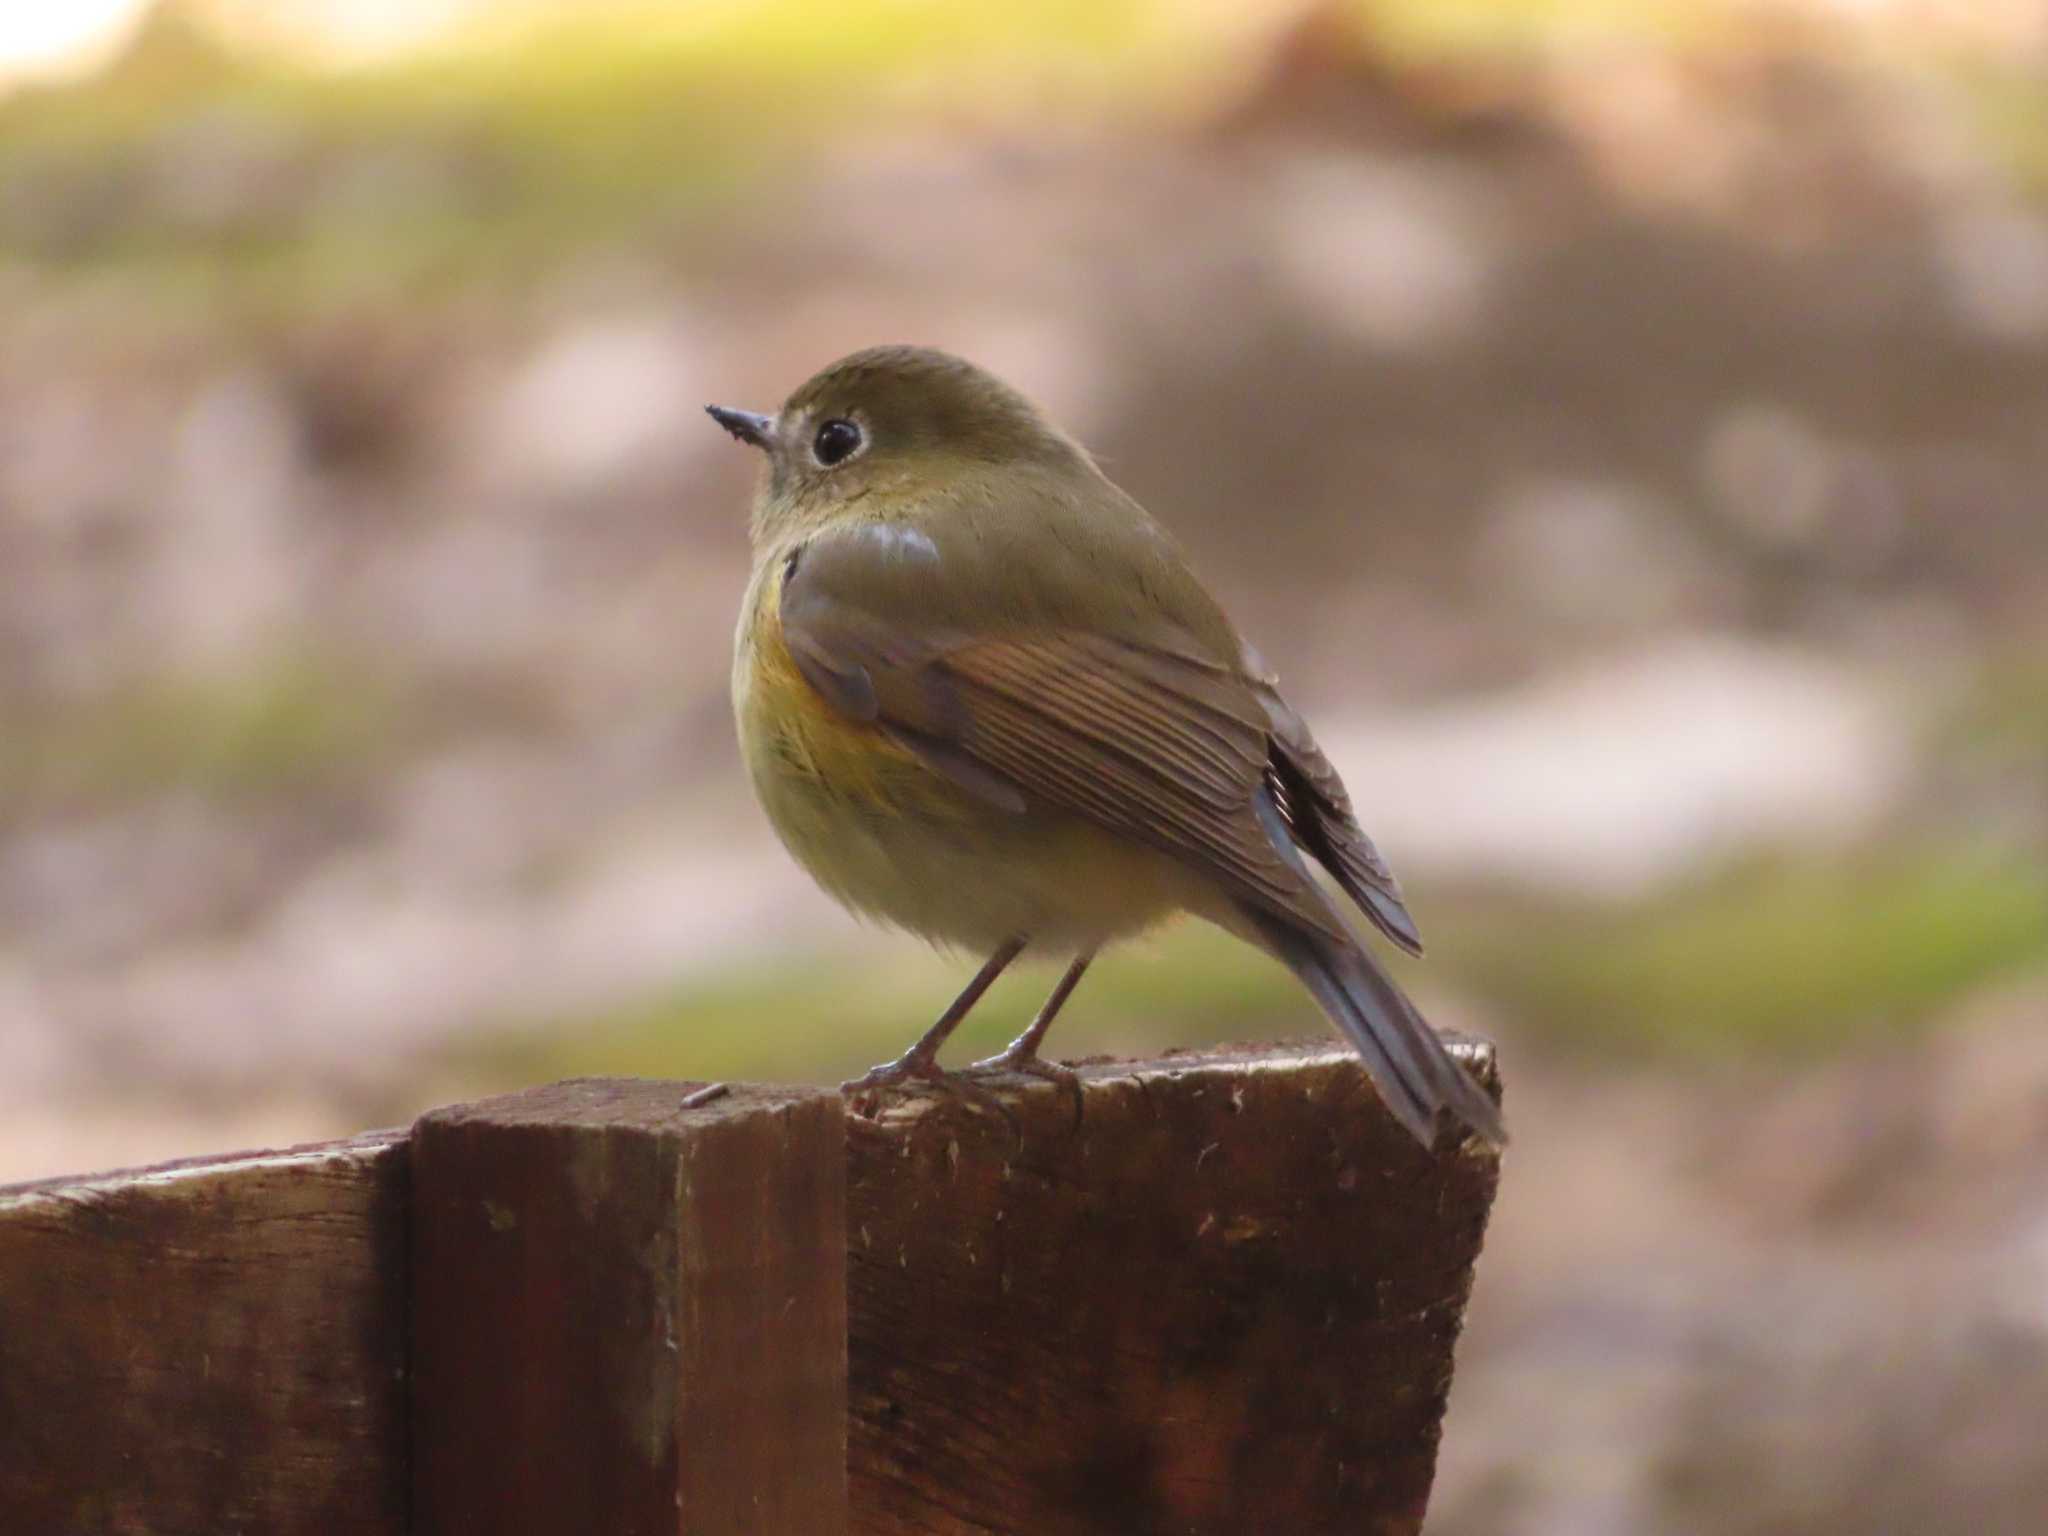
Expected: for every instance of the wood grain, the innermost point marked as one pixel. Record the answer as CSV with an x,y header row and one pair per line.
x,y
630,1314
209,1346
1225,1302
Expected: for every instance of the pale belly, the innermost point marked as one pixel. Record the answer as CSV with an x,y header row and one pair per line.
x,y
895,840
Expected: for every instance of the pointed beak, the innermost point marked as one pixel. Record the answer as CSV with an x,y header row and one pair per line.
x,y
745,425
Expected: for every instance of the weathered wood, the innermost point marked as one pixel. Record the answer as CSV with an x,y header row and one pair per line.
x,y
208,1346
630,1313
1224,1303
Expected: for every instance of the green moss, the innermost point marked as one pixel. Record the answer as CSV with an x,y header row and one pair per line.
x,y
1774,959
821,1018
1780,961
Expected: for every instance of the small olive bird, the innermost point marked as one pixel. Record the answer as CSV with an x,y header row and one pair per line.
x,y
982,696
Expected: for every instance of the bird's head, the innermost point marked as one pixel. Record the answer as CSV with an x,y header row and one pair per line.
x,y
894,423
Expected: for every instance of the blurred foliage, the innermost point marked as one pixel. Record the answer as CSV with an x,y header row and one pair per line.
x,y
494,155
1777,960
239,178
829,1016
294,721
2004,715
1434,28
2010,105
1773,958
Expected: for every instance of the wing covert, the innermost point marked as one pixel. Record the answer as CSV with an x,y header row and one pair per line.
x,y
1146,736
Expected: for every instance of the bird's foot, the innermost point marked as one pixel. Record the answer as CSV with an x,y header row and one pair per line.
x,y
920,1069
1028,1063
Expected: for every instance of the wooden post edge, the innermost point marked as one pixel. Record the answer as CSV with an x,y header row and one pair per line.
x,y
212,1344
1224,1299
629,1312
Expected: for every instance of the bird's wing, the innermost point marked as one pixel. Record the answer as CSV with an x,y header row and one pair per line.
x,y
1144,736
1319,815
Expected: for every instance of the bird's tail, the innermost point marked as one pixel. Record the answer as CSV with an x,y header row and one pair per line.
x,y
1416,1076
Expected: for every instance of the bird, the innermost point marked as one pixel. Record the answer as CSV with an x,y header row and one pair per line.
x,y
982,696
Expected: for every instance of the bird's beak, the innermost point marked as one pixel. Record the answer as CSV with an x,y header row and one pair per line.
x,y
745,425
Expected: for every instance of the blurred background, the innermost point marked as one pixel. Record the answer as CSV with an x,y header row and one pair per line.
x,y
1625,425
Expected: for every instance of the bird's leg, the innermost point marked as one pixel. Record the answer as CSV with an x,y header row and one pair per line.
x,y
921,1061
1021,1055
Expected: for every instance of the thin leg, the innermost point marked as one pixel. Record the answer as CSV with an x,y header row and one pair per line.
x,y
922,1059
1021,1055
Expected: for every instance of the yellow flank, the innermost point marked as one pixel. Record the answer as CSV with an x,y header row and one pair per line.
x,y
788,730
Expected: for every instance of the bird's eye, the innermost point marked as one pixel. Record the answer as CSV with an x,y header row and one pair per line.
x,y
835,442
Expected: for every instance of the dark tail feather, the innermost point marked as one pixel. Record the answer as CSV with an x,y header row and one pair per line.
x,y
1415,1074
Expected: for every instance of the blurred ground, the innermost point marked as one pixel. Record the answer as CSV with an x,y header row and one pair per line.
x,y
1625,427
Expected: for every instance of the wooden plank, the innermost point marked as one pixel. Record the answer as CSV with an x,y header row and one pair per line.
x,y
208,1346
631,1312
1224,1303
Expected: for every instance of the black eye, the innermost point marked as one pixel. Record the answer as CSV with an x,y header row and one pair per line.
x,y
836,439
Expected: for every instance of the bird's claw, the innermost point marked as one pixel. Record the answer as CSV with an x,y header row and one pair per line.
x,y
917,1068
911,1067
1031,1064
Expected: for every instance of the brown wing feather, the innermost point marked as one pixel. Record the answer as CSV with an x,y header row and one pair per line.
x,y
1312,798
1082,723
1142,739
1319,814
